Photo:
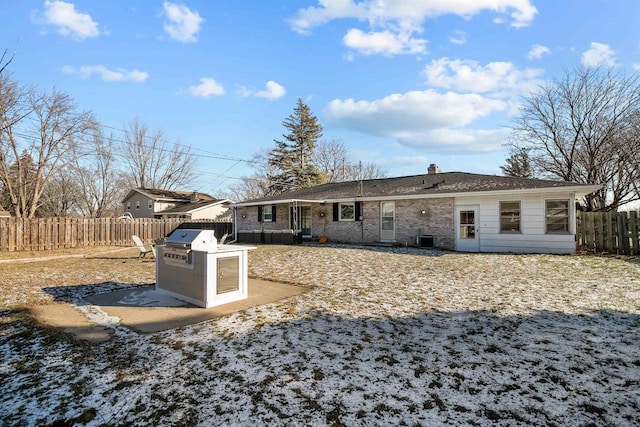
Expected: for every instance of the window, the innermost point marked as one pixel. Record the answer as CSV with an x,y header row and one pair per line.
x,y
557,216
467,224
510,217
267,214
347,211
128,206
150,204
138,206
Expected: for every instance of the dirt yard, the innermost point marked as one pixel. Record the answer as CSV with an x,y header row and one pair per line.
x,y
385,337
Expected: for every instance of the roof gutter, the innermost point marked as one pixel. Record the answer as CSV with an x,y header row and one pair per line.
x,y
578,190
275,202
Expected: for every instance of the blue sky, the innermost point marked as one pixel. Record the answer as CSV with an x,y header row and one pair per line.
x,y
401,83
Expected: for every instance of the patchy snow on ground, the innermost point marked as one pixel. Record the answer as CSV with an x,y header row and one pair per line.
x,y
386,337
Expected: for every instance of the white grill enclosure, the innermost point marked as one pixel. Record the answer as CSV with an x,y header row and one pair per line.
x,y
192,267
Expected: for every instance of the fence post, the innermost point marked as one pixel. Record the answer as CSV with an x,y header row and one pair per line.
x,y
634,230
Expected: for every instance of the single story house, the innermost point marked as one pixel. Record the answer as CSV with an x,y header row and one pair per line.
x,y
158,203
453,210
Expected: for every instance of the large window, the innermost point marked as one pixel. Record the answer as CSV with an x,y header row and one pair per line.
x,y
510,217
347,211
557,216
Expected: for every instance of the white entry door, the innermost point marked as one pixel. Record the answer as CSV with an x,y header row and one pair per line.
x,y
467,236
387,221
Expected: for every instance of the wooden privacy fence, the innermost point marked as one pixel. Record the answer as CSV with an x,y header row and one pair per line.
x,y
612,232
41,234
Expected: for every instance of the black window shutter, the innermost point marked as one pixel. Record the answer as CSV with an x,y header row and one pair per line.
x,y
358,212
259,213
273,213
335,211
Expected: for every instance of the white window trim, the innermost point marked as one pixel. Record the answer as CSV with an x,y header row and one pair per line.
x,y
353,206
150,204
519,202
264,213
570,228
129,206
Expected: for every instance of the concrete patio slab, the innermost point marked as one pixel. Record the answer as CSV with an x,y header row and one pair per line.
x,y
145,310
70,320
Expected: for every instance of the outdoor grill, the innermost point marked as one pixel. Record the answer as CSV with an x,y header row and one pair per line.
x,y
191,266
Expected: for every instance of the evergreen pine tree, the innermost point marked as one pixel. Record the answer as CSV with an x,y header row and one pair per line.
x,y
291,161
518,164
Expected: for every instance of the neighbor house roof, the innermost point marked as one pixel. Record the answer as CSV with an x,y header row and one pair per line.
x,y
169,195
446,184
195,206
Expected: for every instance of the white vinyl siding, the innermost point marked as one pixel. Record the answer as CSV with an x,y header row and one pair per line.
x,y
533,236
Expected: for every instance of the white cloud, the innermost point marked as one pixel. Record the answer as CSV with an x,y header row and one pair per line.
x,y
538,51
392,25
182,24
118,75
424,119
207,87
458,37
401,12
384,42
272,91
636,66
70,22
599,54
470,76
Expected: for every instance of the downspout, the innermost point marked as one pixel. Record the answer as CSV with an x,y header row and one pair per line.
x,y
235,225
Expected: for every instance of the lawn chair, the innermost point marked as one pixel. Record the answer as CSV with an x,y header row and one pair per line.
x,y
223,238
143,248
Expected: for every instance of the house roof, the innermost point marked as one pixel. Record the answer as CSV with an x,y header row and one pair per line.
x,y
446,184
195,206
169,195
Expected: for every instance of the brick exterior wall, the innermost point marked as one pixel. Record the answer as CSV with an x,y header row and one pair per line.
x,y
437,220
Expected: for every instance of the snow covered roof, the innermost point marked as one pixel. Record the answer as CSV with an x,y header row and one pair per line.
x,y
446,184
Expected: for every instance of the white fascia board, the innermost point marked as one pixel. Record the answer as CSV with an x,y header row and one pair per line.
x,y
579,191
274,202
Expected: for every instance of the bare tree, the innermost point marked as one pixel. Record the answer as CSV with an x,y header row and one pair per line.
x,y
102,184
153,162
61,196
256,185
4,61
32,149
332,158
581,128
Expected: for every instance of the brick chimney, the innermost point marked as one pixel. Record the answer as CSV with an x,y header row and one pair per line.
x,y
195,197
433,169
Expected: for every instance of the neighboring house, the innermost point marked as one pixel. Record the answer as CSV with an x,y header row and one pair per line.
x,y
156,203
454,210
